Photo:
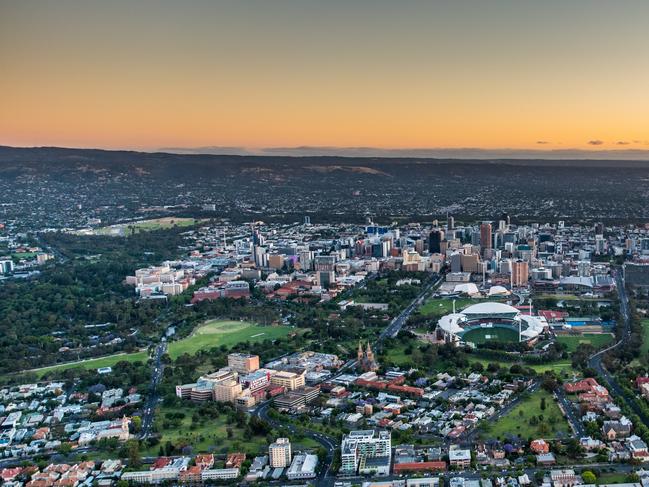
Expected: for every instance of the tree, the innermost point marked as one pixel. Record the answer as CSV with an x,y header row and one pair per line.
x,y
134,458
136,421
65,448
588,477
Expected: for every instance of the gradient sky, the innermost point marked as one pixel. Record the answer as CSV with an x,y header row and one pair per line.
x,y
492,74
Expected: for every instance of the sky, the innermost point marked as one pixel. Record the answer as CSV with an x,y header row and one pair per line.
x,y
508,74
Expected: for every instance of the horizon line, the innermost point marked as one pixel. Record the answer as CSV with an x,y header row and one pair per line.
x,y
631,154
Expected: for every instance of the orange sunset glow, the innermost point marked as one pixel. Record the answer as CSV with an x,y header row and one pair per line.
x,y
145,75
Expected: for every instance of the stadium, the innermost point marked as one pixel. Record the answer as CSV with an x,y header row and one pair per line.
x,y
486,322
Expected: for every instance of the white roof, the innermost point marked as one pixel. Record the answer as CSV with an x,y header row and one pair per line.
x,y
489,308
495,290
577,281
466,288
457,454
449,323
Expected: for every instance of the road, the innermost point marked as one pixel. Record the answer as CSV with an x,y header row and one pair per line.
x,y
148,414
569,411
392,330
595,362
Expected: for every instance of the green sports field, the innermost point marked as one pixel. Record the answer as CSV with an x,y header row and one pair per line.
x,y
215,333
495,334
598,340
124,229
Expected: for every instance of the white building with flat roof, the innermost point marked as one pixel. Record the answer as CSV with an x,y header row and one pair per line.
x,y
365,448
279,453
303,467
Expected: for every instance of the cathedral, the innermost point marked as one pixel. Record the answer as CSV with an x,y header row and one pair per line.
x,y
366,360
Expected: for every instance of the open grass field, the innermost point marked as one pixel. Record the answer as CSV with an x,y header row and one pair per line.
x,y
517,421
215,333
495,334
441,306
598,340
558,366
108,361
397,356
645,337
124,229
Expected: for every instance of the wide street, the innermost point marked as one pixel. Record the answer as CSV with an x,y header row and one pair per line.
x,y
392,330
148,413
595,362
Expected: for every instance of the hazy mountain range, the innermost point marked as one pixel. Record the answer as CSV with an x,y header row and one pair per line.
x,y
444,153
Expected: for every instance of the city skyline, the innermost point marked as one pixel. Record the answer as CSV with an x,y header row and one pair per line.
x,y
521,76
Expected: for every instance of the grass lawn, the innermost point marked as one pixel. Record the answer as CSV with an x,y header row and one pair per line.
x,y
645,337
211,435
598,340
558,366
612,478
517,421
441,306
24,255
397,356
108,361
559,297
215,333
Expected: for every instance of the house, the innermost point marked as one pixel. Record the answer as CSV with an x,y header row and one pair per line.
x,y
546,459
590,444
638,448
235,460
613,430
9,474
540,446
459,458
564,478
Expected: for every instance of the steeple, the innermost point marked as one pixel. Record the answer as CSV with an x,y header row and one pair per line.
x,y
369,353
